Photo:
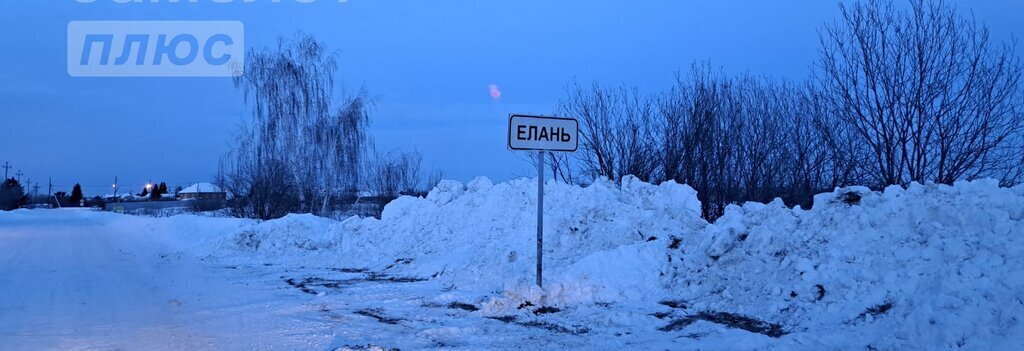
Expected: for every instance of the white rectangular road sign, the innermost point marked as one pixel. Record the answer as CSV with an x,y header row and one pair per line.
x,y
543,133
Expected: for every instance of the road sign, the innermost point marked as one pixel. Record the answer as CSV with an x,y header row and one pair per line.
x,y
543,133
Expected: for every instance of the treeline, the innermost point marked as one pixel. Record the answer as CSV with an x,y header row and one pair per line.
x,y
13,196
897,96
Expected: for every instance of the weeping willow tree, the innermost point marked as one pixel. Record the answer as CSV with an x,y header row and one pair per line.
x,y
303,146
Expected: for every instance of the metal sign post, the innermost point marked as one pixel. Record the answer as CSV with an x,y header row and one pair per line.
x,y
542,134
540,218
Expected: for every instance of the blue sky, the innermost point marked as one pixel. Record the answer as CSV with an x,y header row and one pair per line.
x,y
429,63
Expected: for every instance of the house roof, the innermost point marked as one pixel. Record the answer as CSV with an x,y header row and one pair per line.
x,y
201,188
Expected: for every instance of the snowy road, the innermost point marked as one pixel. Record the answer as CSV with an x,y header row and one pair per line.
x,y
72,280
68,282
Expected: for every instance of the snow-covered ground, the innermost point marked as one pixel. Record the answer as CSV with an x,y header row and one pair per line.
x,y
627,266
82,280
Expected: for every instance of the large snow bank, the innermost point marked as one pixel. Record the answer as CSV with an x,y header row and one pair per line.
x,y
483,235
603,242
929,267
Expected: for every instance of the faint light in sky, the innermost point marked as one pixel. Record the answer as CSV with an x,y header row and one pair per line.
x,y
495,92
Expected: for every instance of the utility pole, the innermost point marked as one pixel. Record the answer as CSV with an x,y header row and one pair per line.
x,y
35,193
49,188
28,190
7,167
19,174
115,190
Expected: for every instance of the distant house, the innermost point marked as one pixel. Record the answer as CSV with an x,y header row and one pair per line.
x,y
122,197
202,191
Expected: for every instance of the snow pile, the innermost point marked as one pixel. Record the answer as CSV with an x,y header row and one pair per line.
x,y
929,267
604,242
292,235
598,240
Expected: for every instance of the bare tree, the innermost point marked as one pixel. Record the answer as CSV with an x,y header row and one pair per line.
x,y
746,138
561,167
298,152
924,89
617,134
701,134
257,188
395,173
433,180
1013,173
